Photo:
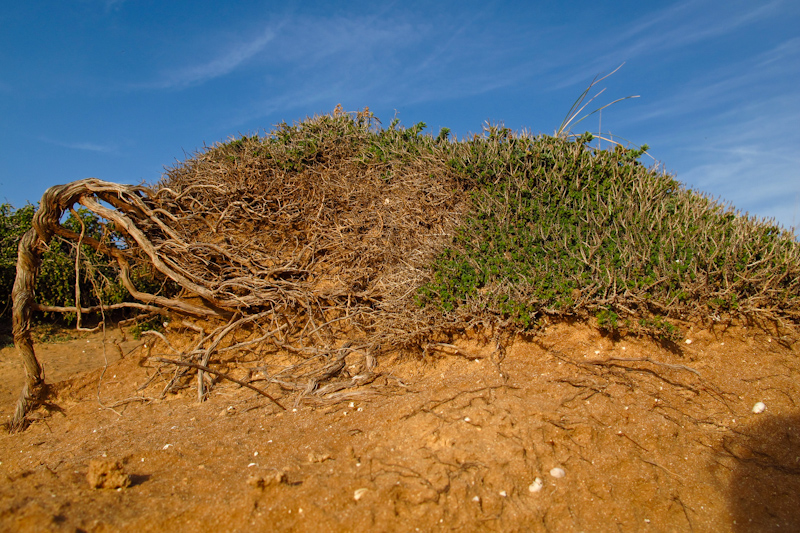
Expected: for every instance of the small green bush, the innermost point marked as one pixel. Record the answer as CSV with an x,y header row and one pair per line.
x,y
13,224
152,324
55,283
607,320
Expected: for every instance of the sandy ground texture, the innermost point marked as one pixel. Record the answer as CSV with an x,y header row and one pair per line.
x,y
570,431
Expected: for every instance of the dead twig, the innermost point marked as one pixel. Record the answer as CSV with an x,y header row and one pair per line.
x,y
219,374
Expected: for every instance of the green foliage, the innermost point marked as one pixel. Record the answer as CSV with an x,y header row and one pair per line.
x,y
153,324
660,327
551,216
13,224
607,320
55,283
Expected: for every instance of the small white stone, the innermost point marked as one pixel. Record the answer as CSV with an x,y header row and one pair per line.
x,y
467,419
166,446
759,407
359,493
537,485
251,464
503,493
688,341
557,472
476,499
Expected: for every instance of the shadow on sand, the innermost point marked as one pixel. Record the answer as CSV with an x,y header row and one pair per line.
x,y
764,493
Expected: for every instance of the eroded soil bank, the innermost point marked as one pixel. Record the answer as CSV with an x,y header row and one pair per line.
x,y
649,438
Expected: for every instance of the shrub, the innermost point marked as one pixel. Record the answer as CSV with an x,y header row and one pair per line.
x,y
55,283
551,219
336,216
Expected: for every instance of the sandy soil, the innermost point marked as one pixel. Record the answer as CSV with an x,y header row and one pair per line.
x,y
647,437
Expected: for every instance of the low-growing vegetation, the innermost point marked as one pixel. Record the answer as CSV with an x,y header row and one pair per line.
x,y
557,227
336,227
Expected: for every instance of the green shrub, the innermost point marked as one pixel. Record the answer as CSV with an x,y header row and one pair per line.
x,y
13,224
152,324
551,217
55,283
659,327
607,320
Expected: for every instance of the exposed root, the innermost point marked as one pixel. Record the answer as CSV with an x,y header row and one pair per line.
x,y
285,261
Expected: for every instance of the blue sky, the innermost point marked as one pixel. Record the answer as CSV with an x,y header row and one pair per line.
x,y
120,89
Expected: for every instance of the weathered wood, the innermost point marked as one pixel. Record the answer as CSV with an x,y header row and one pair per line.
x,y
28,261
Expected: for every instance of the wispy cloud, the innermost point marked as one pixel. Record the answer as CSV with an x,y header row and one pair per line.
x,y
747,155
223,64
395,57
730,129
85,146
347,57
751,181
687,23
728,89
397,60
675,27
108,5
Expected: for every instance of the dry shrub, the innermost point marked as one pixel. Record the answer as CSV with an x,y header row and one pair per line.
x,y
319,233
311,222
324,244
